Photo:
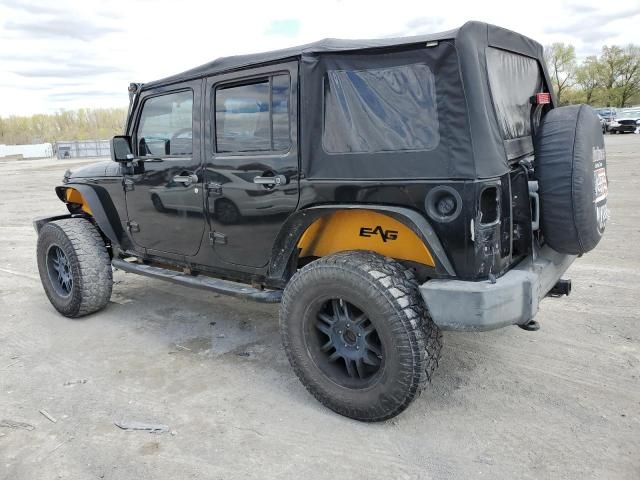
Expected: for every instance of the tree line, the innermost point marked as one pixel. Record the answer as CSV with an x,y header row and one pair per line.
x,y
82,124
610,79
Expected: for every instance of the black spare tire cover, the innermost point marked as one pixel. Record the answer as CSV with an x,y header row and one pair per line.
x,y
571,170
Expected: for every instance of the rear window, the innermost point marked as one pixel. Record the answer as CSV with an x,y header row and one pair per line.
x,y
513,80
380,110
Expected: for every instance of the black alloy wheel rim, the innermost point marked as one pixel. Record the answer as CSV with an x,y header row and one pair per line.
x,y
345,344
59,270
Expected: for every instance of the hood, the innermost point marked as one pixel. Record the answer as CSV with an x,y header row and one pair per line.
x,y
99,169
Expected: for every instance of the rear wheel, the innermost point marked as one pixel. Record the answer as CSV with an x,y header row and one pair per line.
x,y
74,266
357,334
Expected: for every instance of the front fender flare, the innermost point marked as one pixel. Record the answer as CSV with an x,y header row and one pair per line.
x,y
290,233
103,212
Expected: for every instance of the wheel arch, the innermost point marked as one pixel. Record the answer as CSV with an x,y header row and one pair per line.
x,y
287,244
96,203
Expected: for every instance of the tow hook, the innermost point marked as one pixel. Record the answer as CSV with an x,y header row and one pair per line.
x,y
530,326
563,287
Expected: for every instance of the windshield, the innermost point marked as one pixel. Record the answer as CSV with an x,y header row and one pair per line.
x,y
633,114
605,112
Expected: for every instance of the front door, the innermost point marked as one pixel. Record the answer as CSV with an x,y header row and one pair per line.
x,y
165,200
251,169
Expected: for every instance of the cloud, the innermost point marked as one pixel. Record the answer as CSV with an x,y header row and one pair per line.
x,y
59,96
64,27
31,8
591,28
424,24
25,57
101,45
67,71
418,26
581,8
286,28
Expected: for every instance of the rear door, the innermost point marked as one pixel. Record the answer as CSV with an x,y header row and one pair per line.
x,y
251,167
165,200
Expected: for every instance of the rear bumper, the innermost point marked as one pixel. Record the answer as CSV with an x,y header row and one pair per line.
x,y
512,300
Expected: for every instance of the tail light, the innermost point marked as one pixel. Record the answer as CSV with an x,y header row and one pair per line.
x,y
541,98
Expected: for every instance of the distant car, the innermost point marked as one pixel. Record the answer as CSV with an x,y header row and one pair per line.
x,y
606,112
603,123
625,122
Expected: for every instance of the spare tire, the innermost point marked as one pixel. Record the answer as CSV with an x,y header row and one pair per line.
x,y
571,170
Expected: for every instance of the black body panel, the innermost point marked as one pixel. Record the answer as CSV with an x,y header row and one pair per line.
x,y
247,216
166,216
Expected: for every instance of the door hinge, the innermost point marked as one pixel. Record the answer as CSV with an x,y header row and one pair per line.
x,y
214,188
133,227
217,237
129,185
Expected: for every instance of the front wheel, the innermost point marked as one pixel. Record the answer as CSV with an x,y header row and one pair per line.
x,y
357,334
74,266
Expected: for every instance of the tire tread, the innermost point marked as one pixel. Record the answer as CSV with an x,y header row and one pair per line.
x,y
90,260
399,286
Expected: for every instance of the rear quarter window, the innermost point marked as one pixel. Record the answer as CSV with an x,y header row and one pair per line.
x,y
380,110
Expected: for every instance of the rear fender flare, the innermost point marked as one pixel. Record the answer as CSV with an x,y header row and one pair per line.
x,y
285,246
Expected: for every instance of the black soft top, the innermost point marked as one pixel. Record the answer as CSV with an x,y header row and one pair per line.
x,y
472,141
327,45
470,32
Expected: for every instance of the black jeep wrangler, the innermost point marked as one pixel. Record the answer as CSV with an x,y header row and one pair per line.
x,y
381,190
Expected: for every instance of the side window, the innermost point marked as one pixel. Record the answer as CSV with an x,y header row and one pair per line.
x,y
253,117
166,125
380,110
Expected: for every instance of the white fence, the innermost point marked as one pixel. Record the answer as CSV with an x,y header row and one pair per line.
x,y
40,150
81,148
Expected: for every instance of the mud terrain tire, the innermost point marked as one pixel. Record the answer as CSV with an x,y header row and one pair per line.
x,y
356,285
74,266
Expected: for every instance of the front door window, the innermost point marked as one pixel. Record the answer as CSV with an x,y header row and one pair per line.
x,y
165,126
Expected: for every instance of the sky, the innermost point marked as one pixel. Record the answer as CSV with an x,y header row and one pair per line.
x,y
72,54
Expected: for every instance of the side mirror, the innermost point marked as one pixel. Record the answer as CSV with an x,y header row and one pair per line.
x,y
121,148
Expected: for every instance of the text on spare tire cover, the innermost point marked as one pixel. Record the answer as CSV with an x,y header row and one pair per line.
x,y
600,188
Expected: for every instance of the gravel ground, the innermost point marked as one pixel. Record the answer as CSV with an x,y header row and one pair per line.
x,y
563,402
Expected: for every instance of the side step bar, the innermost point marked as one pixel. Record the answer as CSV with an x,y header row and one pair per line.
x,y
203,282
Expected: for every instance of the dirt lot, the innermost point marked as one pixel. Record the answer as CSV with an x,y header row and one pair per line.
x,y
563,402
